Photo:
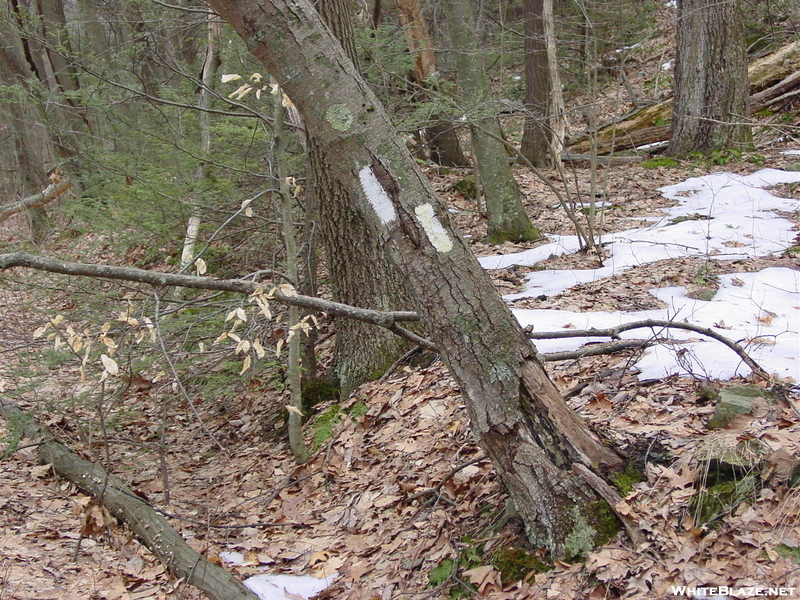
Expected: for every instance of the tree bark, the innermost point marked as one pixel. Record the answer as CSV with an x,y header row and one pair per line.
x,y
711,109
517,414
445,148
506,214
545,127
767,77
360,273
151,528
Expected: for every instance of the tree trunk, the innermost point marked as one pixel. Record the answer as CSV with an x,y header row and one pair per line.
x,y
545,127
208,75
711,109
32,154
360,273
441,136
516,412
506,214
151,528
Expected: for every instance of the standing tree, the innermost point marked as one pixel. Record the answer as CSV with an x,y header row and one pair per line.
x,y
535,441
710,111
442,138
360,273
506,214
545,125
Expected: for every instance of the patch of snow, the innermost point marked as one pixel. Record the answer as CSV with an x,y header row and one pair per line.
x,y
740,223
738,220
281,587
234,559
760,310
667,65
791,152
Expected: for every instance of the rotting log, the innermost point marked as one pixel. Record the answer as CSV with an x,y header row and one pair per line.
x,y
770,77
151,528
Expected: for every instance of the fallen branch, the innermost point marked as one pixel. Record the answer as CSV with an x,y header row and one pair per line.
x,y
388,320
596,350
50,193
613,333
650,124
151,528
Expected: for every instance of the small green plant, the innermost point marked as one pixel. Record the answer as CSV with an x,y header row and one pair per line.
x,y
764,113
660,161
448,568
324,424
703,276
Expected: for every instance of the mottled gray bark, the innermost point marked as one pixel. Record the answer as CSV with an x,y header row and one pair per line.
x,y
543,138
711,106
360,273
516,412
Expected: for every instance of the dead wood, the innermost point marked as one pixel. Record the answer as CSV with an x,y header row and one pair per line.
x,y
49,194
770,77
613,332
150,527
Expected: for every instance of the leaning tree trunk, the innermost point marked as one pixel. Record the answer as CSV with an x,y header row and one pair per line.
x,y
517,414
360,273
710,111
506,214
545,127
441,134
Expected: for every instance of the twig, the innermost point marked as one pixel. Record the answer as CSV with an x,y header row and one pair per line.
x,y
438,488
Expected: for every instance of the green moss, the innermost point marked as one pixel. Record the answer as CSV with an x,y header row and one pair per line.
x,y
721,498
785,551
515,564
604,520
660,161
517,232
318,390
625,480
792,252
593,526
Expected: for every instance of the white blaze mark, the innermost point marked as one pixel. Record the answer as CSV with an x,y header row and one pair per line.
x,y
376,195
433,228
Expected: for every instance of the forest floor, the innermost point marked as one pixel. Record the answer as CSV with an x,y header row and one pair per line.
x,y
366,513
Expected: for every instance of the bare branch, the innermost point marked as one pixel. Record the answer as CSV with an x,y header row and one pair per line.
x,y
239,286
613,333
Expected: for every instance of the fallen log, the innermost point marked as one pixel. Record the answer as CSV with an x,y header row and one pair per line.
x,y
50,193
770,77
151,528
776,93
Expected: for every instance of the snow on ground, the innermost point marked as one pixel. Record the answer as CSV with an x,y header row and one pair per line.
x,y
723,215
280,586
